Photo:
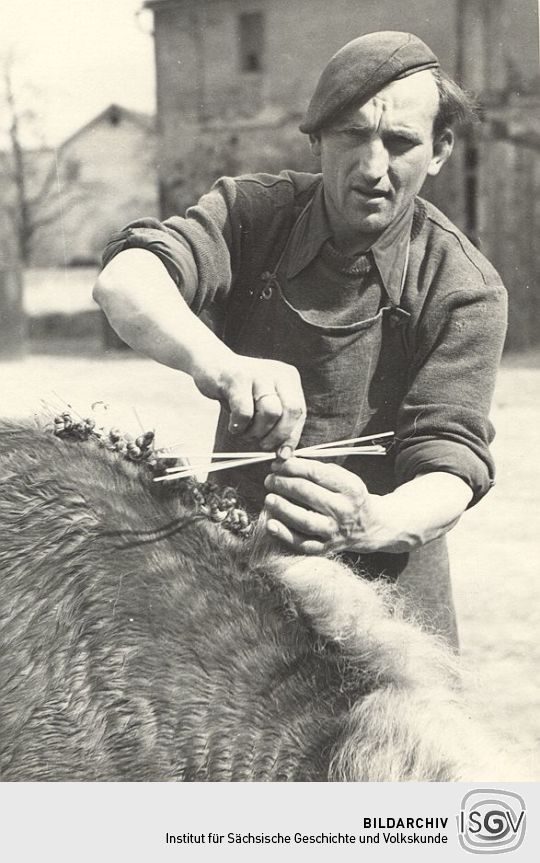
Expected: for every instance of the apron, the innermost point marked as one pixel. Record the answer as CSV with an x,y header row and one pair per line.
x,y
354,379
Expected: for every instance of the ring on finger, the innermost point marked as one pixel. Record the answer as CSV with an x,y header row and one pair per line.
x,y
265,395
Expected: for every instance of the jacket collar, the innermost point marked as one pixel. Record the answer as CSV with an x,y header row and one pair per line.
x,y
312,229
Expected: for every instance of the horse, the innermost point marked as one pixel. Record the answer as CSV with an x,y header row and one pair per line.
x,y
140,641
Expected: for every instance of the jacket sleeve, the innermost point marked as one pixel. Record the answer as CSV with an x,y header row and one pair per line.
x,y
443,424
198,250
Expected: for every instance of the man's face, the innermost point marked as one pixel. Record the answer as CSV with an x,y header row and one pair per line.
x,y
375,158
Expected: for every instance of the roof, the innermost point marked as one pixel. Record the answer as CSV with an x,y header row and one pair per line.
x,y
145,121
153,4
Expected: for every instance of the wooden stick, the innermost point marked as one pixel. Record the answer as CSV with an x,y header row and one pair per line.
x,y
327,453
170,451
181,472
212,468
208,455
248,456
325,450
353,440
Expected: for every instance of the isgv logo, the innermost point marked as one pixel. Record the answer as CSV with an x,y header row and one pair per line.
x,y
491,821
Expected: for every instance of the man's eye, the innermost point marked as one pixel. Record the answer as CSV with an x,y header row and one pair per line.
x,y
356,134
401,143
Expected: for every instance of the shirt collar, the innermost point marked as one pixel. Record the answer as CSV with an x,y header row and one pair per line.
x,y
310,231
390,251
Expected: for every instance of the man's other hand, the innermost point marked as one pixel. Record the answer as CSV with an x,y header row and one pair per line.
x,y
316,508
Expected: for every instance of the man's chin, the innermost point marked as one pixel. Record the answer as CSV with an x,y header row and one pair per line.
x,y
372,223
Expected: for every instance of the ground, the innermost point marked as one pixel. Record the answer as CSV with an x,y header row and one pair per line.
x,y
495,549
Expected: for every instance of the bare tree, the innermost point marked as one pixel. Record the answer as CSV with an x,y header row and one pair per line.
x,y
20,208
37,191
12,318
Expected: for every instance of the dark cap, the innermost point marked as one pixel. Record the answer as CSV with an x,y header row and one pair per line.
x,y
360,69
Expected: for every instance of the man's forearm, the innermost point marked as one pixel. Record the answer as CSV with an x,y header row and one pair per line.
x,y
419,511
317,508
143,305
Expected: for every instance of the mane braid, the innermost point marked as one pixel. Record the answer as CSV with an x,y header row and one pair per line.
x,y
219,505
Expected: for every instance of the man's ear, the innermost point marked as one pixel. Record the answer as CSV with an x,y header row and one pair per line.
x,y
315,144
442,150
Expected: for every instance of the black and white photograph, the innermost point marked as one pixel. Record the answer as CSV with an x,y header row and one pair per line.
x,y
270,400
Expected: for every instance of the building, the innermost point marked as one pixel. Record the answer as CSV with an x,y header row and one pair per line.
x,y
230,58
234,78
94,182
232,72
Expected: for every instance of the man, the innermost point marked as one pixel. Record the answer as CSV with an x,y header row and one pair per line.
x,y
349,295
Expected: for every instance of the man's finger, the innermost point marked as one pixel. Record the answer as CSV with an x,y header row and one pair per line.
x,y
240,402
294,410
287,448
299,519
287,430
267,411
297,541
303,491
329,476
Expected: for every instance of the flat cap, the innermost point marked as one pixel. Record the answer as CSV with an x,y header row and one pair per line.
x,y
360,69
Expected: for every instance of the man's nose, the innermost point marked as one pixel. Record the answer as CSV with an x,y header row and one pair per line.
x,y
373,160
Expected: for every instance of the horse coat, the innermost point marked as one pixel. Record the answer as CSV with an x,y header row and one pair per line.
x,y
139,641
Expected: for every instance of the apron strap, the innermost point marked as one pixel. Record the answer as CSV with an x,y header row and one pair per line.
x,y
398,316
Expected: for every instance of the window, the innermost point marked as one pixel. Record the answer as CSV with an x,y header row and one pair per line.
x,y
251,30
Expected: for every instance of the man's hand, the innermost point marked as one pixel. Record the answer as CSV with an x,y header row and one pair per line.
x,y
264,398
316,508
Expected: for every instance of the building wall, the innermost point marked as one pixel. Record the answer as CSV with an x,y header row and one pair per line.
x,y
197,53
107,177
215,119
202,92
509,217
200,84
199,79
499,44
